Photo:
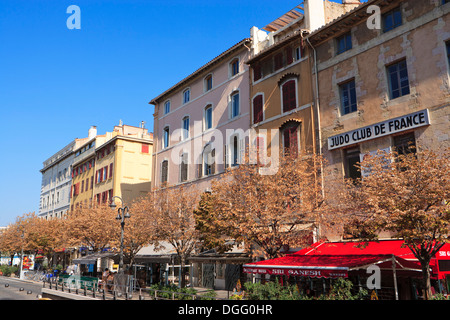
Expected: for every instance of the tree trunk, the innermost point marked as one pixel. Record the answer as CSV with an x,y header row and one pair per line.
x,y
426,279
182,273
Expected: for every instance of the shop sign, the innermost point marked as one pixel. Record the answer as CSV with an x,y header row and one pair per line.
x,y
444,254
403,123
319,273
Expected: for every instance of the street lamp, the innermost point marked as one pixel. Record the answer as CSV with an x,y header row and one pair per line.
x,y
121,215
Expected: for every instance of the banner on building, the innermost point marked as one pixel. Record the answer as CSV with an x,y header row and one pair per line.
x,y
377,130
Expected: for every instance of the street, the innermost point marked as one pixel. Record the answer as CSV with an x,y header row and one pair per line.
x,y
10,289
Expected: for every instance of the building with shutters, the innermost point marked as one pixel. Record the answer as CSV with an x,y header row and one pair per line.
x,y
200,122
117,163
386,86
57,181
83,169
282,108
123,165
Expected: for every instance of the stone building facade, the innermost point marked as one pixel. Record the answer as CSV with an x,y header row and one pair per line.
x,y
382,81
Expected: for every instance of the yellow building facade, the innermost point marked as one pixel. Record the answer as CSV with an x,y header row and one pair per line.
x,y
123,165
117,163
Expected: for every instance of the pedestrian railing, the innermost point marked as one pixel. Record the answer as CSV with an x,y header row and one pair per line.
x,y
90,288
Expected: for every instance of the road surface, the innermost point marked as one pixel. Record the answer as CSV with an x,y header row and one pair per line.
x,y
14,289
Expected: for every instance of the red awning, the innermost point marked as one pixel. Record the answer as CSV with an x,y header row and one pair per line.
x,y
332,260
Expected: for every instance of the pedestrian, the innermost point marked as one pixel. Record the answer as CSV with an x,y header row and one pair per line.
x,y
110,282
104,277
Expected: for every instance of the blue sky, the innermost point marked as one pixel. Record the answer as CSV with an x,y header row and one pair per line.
x,y
55,83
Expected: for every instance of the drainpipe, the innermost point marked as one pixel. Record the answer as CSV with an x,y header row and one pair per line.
x,y
318,119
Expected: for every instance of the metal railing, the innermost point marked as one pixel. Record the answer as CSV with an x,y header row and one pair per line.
x,y
116,291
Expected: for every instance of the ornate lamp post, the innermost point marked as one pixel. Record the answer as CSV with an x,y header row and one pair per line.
x,y
123,213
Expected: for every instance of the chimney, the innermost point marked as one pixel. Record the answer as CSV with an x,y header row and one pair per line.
x,y
314,14
92,132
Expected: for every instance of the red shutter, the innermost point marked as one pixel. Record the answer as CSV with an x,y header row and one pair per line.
x,y
258,109
111,170
100,178
289,57
144,148
257,72
289,98
290,139
278,61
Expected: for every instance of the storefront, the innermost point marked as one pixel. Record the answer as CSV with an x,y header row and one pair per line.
x,y
155,266
94,263
400,271
219,271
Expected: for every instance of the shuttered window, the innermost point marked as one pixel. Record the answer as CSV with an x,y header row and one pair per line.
x,y
289,96
258,109
184,167
164,171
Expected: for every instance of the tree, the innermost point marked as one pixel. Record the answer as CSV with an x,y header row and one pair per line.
x,y
32,233
171,212
139,229
212,236
406,195
93,226
271,212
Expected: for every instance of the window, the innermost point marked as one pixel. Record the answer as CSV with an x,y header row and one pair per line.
x,y
289,98
208,83
392,19
184,167
348,97
290,136
208,117
164,171
298,53
185,133
278,61
448,51
257,72
405,144
234,104
186,96
351,159
209,161
234,67
344,43
258,113
235,150
167,107
166,137
289,56
398,79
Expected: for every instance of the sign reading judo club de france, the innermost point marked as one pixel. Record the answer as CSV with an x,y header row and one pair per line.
x,y
403,123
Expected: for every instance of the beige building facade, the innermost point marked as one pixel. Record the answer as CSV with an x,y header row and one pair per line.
x,y
383,81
